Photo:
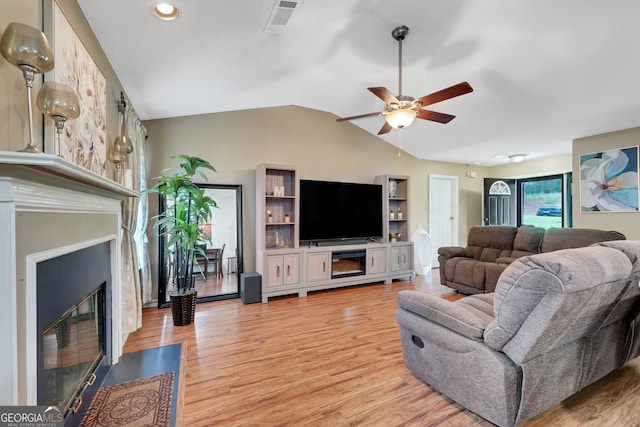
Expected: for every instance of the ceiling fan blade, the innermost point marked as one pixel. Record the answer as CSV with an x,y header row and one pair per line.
x,y
386,128
450,92
361,116
384,94
434,116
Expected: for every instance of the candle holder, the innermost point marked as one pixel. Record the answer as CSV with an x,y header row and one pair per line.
x,y
28,49
60,102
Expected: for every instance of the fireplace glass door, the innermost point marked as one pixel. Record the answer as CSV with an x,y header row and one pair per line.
x,y
73,346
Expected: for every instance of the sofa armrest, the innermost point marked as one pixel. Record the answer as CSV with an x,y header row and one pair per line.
x,y
468,319
454,251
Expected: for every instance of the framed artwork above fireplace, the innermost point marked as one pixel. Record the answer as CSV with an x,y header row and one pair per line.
x,y
84,140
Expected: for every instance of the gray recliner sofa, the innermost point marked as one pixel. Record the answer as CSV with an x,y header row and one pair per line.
x,y
556,323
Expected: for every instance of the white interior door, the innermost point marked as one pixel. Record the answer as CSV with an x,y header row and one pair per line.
x,y
443,212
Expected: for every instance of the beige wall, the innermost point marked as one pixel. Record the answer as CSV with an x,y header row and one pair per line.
x,y
236,142
625,222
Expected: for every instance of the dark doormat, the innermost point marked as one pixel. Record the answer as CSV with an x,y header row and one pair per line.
x,y
144,402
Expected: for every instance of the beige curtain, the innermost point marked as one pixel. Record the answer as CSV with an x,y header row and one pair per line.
x,y
140,235
135,260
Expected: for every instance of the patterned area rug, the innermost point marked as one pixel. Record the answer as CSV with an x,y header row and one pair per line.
x,y
144,402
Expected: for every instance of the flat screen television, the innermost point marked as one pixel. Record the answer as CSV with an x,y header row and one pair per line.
x,y
339,211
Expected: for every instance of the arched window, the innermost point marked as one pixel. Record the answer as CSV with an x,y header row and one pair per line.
x,y
500,187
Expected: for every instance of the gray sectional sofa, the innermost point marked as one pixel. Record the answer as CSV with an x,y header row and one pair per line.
x,y
476,268
557,322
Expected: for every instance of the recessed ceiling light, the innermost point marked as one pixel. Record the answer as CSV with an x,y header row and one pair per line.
x,y
166,11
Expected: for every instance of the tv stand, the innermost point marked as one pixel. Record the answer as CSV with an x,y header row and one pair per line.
x,y
290,266
329,267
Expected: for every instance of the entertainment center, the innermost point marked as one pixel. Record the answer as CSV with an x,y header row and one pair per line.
x,y
314,235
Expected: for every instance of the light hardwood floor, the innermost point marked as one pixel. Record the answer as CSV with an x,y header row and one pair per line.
x,y
334,359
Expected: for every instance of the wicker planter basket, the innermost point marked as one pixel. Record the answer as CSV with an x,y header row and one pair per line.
x,y
183,307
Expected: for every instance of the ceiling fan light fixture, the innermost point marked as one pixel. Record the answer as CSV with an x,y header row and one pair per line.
x,y
399,119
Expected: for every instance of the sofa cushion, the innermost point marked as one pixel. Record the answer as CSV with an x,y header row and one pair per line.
x,y
564,238
545,300
527,241
629,303
489,243
631,248
468,271
454,251
468,316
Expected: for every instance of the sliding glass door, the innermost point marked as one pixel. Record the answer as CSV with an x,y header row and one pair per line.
x,y
541,201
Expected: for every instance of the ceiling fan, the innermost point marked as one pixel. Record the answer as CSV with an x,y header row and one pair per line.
x,y
401,110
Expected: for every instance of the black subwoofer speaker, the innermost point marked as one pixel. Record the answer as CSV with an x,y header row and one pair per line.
x,y
250,287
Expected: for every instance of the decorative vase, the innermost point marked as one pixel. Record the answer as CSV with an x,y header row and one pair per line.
x,y
393,188
183,307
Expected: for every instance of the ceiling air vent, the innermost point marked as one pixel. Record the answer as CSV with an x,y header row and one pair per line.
x,y
280,15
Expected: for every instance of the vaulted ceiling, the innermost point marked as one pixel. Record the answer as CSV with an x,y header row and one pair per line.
x,y
544,72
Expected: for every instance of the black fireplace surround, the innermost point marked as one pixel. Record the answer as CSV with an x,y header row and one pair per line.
x,y
62,283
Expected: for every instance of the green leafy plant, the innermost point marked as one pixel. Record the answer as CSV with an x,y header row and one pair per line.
x,y
182,222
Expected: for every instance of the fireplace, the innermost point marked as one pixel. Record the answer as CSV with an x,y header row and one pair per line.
x,y
73,347
347,263
49,209
74,341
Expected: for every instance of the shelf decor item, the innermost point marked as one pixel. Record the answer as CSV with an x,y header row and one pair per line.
x,y
60,102
28,49
393,188
122,145
183,222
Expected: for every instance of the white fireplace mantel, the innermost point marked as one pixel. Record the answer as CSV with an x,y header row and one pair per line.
x,y
55,166
44,184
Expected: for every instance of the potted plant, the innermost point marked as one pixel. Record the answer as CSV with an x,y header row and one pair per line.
x,y
188,209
